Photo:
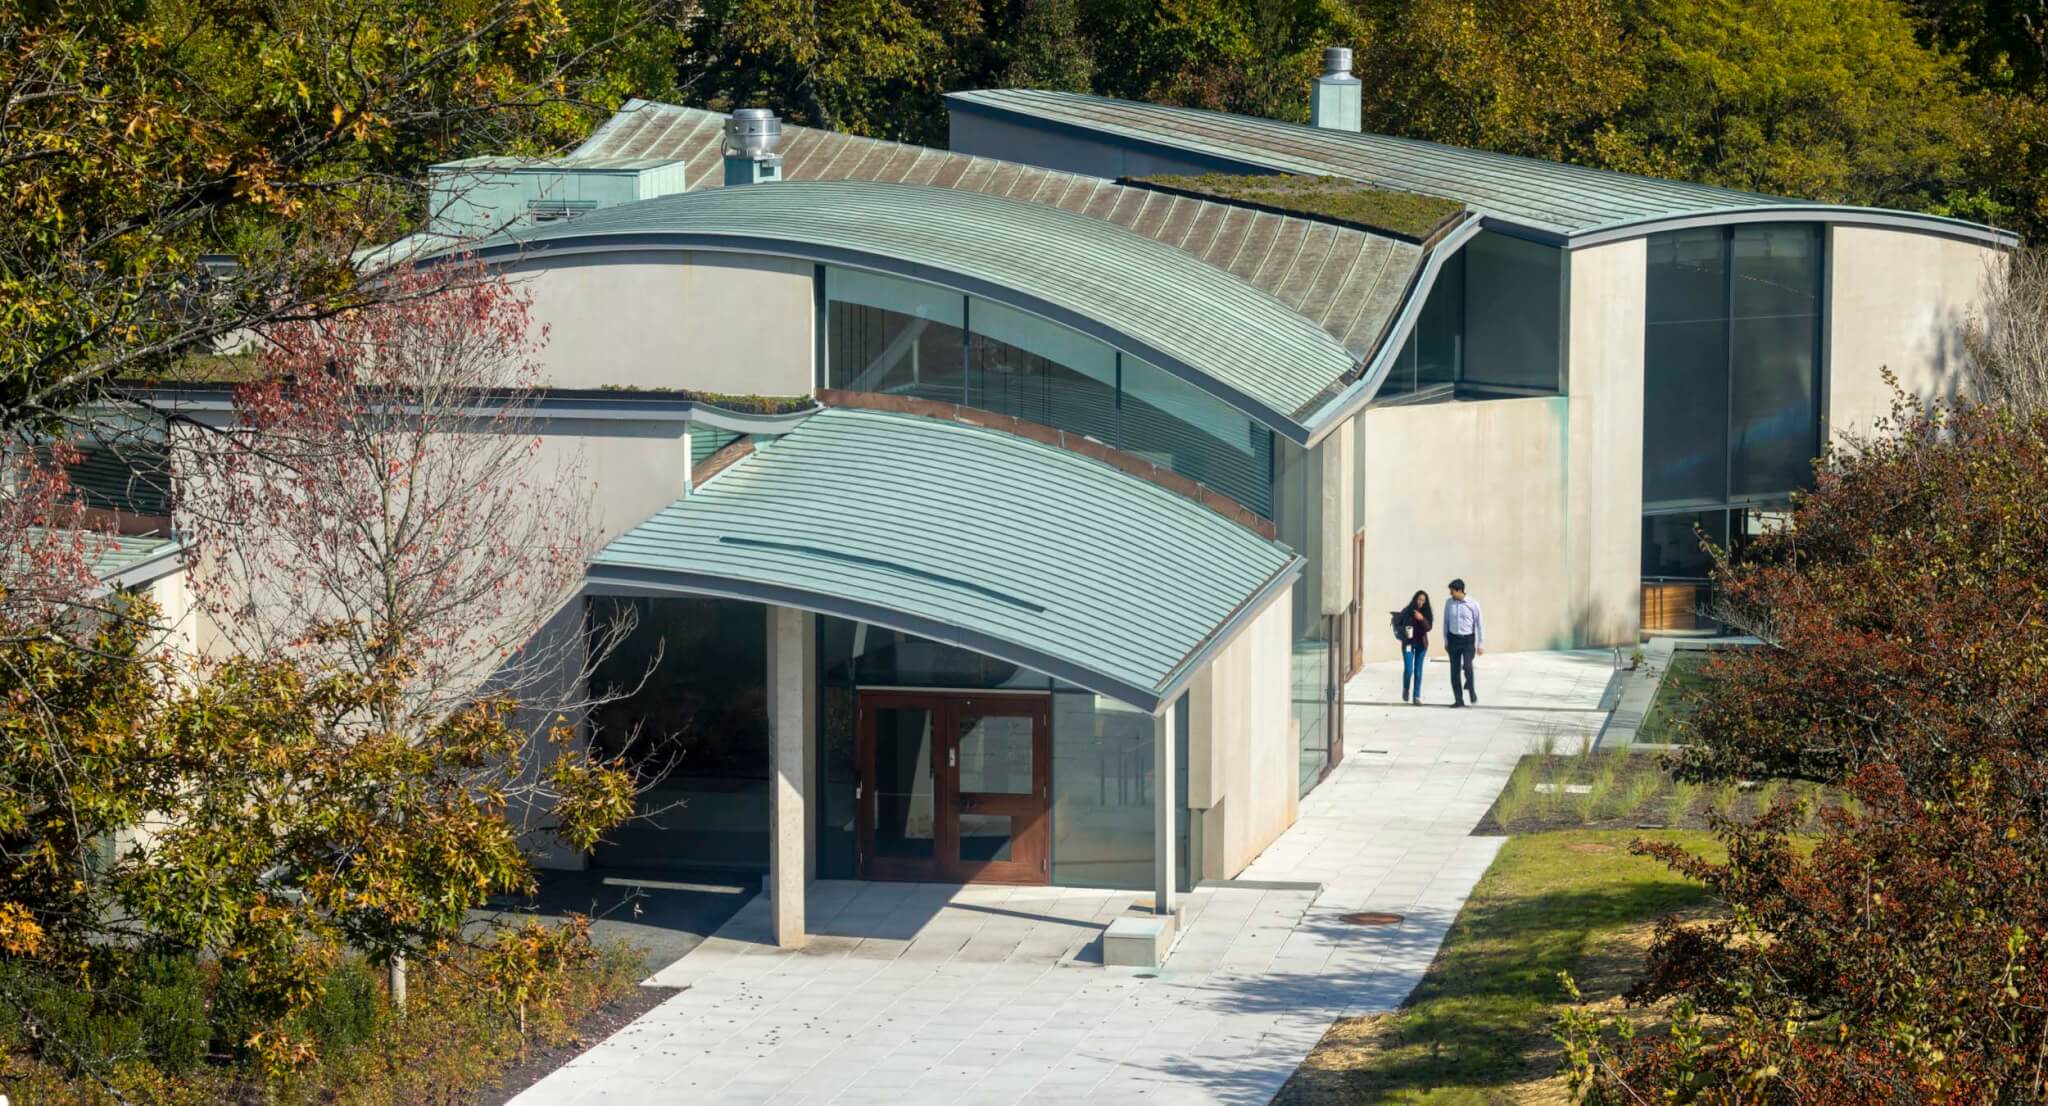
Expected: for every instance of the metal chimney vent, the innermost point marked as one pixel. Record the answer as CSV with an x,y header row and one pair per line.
x,y
751,136
752,133
1337,103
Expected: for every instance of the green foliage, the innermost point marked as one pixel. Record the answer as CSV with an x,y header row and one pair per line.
x,y
1476,1029
1897,958
142,137
873,67
1404,213
282,835
458,1035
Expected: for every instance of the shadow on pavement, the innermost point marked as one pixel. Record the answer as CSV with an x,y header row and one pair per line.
x,y
663,912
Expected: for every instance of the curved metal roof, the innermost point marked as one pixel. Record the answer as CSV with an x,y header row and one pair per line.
x,y
1150,300
1347,280
1579,204
1013,548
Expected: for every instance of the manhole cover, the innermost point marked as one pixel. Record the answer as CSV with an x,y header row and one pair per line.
x,y
1371,918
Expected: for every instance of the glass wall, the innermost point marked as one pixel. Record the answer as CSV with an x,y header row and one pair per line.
x,y
692,718
1493,325
1731,408
910,338
1299,502
1731,364
1102,780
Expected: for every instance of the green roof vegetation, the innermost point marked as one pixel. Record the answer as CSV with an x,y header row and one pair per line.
x,y
1408,214
725,401
210,368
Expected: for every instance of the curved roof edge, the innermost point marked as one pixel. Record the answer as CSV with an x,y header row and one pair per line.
x,y
1888,218
1280,422
1351,400
625,580
995,103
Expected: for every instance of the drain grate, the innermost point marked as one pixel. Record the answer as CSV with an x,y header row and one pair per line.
x,y
1372,918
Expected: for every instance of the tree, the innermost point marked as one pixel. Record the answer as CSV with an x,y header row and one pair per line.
x,y
872,67
1225,55
1906,664
365,521
1047,49
1541,78
182,172
2007,347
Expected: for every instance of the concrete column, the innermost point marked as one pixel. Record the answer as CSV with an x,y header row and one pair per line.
x,y
788,728
1163,904
688,452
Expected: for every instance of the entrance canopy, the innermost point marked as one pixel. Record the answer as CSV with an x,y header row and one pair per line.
x,y
1014,548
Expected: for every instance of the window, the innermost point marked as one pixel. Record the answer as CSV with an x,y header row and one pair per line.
x,y
1492,325
904,337
1731,362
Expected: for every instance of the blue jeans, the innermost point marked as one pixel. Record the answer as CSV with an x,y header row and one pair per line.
x,y
1411,670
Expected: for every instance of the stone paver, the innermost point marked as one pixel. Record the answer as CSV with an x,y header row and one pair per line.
x,y
913,994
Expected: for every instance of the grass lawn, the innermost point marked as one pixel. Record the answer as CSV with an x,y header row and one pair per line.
x,y
1685,679
1477,1029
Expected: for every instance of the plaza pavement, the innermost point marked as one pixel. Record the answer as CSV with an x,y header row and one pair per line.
x,y
914,994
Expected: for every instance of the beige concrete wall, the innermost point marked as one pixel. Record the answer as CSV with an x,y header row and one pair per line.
x,y
1242,760
1476,490
709,322
1604,503
1340,469
1898,300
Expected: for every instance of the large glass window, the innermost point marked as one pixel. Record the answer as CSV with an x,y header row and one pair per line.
x,y
1299,519
1731,364
1102,781
889,335
1492,325
904,337
688,709
1514,315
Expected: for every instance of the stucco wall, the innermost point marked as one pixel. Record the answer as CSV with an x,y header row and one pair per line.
x,y
648,319
1604,375
1476,490
1898,300
1242,761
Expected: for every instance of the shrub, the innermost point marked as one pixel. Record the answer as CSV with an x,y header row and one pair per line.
x,y
1900,958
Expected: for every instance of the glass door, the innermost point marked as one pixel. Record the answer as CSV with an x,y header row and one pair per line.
x,y
1000,788
954,788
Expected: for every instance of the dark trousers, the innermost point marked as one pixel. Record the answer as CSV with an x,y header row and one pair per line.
x,y
1461,647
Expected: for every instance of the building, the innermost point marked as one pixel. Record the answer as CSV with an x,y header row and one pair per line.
x,y
1098,449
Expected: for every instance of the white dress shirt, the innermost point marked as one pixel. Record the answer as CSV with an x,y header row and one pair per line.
x,y
1461,616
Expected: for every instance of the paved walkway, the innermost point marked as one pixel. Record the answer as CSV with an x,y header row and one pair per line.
x,y
914,994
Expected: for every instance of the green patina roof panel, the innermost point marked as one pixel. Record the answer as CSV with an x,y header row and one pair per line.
x,y
1030,552
1567,200
1347,280
1155,301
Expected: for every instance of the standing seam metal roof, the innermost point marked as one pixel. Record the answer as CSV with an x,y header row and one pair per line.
x,y
969,535
1555,197
1155,302
1346,280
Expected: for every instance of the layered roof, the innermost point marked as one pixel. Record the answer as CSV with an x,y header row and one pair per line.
x,y
1578,204
1013,548
1150,300
1347,280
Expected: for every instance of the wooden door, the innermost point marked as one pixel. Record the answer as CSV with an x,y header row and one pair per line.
x,y
954,788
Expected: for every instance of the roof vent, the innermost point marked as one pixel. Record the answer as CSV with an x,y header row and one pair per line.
x,y
1337,95
751,136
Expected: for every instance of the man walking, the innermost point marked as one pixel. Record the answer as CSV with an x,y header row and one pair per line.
x,y
1464,636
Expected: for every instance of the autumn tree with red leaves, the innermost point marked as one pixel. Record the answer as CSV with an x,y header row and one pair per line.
x,y
1903,957
383,516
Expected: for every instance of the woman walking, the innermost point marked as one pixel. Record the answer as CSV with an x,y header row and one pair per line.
x,y
1412,627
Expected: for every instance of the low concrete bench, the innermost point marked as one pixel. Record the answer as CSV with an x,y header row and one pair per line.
x,y
1137,942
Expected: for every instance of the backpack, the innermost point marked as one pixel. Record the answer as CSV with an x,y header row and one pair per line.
x,y
1400,626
